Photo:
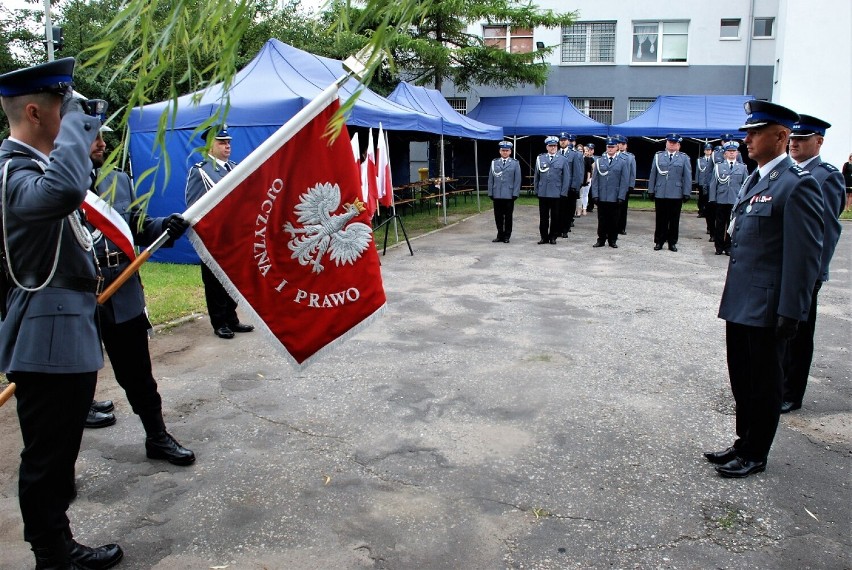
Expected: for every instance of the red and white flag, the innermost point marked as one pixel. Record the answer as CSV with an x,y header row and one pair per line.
x,y
383,177
288,233
112,224
368,177
356,149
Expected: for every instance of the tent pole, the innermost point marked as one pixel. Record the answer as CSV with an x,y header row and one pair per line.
x,y
476,170
443,181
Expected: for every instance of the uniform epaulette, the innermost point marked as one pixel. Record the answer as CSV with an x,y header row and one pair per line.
x,y
800,172
828,166
198,164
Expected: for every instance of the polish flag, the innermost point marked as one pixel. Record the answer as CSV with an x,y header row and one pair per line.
x,y
383,177
112,224
294,244
368,177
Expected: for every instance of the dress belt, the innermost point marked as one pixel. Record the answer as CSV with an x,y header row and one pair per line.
x,y
112,259
83,284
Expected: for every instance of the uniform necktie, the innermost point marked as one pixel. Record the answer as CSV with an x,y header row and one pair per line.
x,y
610,160
228,166
754,180
731,165
504,162
551,157
671,156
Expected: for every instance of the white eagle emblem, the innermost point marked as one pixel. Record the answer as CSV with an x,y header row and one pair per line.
x,y
322,232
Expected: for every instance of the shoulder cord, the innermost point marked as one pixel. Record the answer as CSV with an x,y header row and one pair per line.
x,y
719,177
208,182
598,166
545,168
699,166
84,238
657,165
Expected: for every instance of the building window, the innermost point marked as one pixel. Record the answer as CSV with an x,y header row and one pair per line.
x,y
763,27
597,109
459,104
730,29
513,40
639,105
660,42
588,42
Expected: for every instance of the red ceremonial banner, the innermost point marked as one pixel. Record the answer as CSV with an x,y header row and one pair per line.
x,y
294,241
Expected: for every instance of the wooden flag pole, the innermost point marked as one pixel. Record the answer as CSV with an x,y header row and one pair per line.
x,y
132,268
7,393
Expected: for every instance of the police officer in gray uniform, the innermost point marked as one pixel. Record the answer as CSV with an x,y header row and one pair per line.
x,y
670,184
200,178
624,154
550,180
776,245
123,320
703,173
504,187
727,178
610,180
49,343
805,143
568,202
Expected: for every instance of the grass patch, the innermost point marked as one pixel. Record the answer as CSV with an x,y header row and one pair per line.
x,y
172,291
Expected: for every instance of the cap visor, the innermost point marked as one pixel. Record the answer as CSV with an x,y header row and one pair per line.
x,y
753,126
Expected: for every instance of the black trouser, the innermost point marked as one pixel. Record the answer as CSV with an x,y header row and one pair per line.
x,y
800,354
127,347
710,219
668,220
567,207
703,200
754,365
608,213
548,212
221,308
52,409
622,215
503,210
722,212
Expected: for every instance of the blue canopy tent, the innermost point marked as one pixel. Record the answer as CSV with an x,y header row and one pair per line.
x,y
535,115
694,116
454,124
271,88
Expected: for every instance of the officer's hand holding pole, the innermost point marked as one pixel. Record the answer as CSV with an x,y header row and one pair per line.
x,y
176,226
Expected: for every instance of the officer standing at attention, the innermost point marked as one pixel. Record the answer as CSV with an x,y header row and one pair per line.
x,y
504,187
805,143
123,320
631,183
610,179
201,177
703,172
670,184
49,343
776,244
728,176
568,202
550,180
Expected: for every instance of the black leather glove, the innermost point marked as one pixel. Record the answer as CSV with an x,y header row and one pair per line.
x,y
176,226
71,104
685,199
620,201
785,328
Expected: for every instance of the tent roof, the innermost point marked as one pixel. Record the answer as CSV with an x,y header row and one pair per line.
x,y
696,116
431,102
274,86
535,115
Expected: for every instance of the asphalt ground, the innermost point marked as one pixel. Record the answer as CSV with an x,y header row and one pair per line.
x,y
518,406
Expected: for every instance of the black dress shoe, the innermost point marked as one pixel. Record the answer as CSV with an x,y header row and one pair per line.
x,y
543,241
711,239
99,558
787,407
565,235
599,243
672,247
721,457
622,233
506,240
96,420
224,332
658,246
553,241
103,407
241,328
718,253
739,468
613,245
497,240
164,446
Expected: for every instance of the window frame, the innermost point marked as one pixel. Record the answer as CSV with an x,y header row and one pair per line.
x,y
722,26
631,100
459,104
659,43
587,108
754,21
589,38
509,36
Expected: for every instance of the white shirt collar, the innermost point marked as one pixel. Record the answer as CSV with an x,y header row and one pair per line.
x,y
43,157
767,168
806,163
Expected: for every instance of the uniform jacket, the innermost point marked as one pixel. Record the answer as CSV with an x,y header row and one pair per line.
x,y
610,181
833,197
197,184
704,172
51,330
504,182
725,182
670,178
776,244
551,178
631,173
577,170
128,302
